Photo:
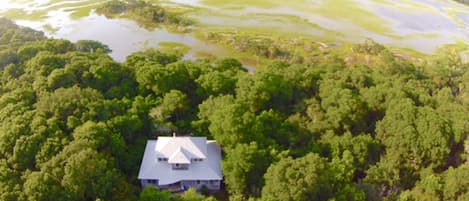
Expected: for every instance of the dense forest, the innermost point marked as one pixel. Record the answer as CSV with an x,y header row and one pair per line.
x,y
74,123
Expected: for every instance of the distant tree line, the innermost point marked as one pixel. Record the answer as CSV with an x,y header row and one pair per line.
x,y
74,123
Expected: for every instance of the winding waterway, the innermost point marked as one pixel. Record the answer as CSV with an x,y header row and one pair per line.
x,y
423,25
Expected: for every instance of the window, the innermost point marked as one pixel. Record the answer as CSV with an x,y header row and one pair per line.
x,y
197,159
178,166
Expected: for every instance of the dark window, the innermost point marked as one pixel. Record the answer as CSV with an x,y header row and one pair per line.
x,y
178,166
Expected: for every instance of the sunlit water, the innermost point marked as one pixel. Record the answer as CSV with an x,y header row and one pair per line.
x,y
424,26
121,35
424,29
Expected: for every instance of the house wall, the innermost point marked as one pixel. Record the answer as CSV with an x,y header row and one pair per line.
x,y
210,184
145,183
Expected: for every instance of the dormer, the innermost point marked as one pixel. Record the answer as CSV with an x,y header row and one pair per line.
x,y
180,156
181,152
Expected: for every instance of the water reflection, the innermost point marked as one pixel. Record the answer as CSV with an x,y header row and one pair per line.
x,y
121,35
410,28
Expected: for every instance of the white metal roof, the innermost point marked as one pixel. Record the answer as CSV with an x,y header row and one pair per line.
x,y
195,146
207,169
180,156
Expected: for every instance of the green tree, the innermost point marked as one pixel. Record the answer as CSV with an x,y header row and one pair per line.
x,y
91,46
90,175
265,89
153,194
306,178
243,168
414,138
173,106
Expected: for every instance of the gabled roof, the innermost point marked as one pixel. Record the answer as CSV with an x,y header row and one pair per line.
x,y
195,147
207,169
180,156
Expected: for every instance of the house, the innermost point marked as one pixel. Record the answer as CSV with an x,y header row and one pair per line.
x,y
179,163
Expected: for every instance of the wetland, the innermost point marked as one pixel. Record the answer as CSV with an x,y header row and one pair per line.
x,y
413,27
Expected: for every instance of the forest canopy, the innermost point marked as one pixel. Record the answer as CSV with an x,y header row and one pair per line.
x,y
74,123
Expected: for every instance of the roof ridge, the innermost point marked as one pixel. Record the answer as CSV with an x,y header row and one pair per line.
x,y
191,145
185,158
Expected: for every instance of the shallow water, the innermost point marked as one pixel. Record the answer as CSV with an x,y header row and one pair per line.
x,y
121,35
405,20
410,24
425,22
464,18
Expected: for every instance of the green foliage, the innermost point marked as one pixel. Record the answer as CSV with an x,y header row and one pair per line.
x,y
306,178
144,12
266,89
243,168
368,47
414,138
450,185
91,46
154,194
296,50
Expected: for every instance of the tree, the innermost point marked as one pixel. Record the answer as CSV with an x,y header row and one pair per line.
x,y
266,89
174,104
243,168
414,138
162,79
7,57
428,189
99,137
341,99
44,186
91,46
66,102
363,149
450,185
456,183
153,194
306,178
90,175
60,78
138,59
228,122
217,83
